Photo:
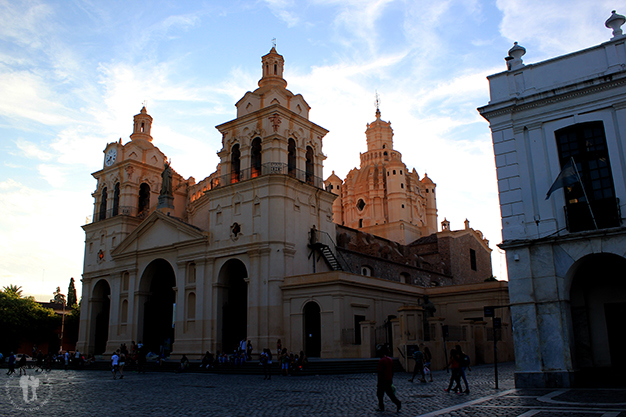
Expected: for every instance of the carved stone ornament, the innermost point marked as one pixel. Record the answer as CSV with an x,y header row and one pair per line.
x,y
275,120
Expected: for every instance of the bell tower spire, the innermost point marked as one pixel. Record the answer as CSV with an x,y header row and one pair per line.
x,y
141,126
273,64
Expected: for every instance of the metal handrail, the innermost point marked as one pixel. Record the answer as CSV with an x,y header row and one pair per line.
x,y
325,239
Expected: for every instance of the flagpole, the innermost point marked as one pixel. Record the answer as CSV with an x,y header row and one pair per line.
x,y
585,193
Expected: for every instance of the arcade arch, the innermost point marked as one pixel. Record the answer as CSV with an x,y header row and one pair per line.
x,y
100,311
598,306
155,324
232,304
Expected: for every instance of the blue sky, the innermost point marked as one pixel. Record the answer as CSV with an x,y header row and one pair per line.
x,y
73,74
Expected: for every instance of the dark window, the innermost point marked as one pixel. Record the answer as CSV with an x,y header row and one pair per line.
x,y
357,329
394,172
144,198
235,164
401,185
473,259
360,204
586,144
291,158
255,157
309,165
103,205
360,222
116,200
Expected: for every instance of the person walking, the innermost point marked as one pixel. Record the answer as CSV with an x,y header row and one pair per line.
x,y
115,363
428,358
464,363
22,364
266,360
385,381
418,357
455,369
11,364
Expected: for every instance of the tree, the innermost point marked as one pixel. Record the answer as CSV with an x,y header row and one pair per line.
x,y
13,289
71,294
23,319
59,298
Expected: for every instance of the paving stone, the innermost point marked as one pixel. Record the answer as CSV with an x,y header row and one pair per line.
x,y
94,393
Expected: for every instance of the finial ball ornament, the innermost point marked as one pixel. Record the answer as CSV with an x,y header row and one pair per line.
x,y
615,22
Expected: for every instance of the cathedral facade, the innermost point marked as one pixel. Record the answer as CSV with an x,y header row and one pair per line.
x,y
265,249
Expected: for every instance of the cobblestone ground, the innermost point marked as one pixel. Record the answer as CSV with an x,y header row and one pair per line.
x,y
96,393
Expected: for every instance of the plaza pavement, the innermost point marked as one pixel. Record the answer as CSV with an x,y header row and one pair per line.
x,y
95,393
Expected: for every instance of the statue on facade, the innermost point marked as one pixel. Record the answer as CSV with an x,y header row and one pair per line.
x,y
166,185
429,307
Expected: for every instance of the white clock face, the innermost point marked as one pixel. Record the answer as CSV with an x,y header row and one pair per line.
x,y
110,157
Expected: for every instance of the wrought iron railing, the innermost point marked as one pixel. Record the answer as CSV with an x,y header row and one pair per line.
x,y
606,213
118,211
270,168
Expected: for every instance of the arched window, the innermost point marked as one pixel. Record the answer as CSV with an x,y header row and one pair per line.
x,y
275,69
235,164
191,273
366,270
191,306
291,157
103,205
405,278
310,163
144,199
255,158
124,312
116,200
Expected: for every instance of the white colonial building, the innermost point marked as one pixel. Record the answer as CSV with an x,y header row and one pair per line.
x,y
564,119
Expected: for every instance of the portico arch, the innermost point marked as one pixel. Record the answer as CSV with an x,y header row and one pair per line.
x,y
598,307
232,304
155,326
100,303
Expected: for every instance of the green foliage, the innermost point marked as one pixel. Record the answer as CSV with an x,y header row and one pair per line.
x,y
72,320
71,293
59,298
24,319
13,289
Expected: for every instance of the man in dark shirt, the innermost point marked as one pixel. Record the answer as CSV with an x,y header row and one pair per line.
x,y
385,381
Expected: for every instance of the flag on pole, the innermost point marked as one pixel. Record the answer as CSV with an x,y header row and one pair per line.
x,y
566,178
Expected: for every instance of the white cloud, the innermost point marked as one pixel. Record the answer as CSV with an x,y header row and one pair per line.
x,y
555,27
32,150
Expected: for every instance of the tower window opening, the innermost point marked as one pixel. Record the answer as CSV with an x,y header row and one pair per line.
x,y
103,205
385,153
291,158
360,223
360,204
116,199
142,127
235,164
310,164
275,69
394,172
256,158
401,185
144,198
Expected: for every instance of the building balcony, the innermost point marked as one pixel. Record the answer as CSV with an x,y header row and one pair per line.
x,y
606,213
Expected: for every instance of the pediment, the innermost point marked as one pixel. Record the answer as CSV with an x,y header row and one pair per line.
x,y
157,231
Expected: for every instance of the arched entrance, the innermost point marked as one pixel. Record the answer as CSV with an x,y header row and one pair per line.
x,y
598,308
233,304
312,330
157,326
100,308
